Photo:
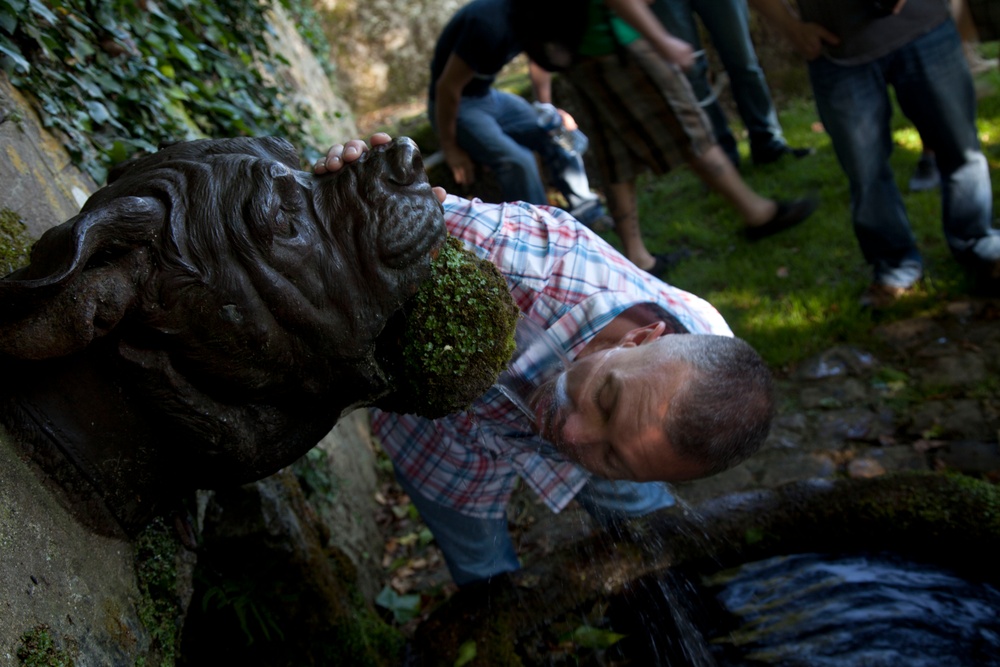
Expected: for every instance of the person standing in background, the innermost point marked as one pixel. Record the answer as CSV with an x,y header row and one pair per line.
x,y
727,23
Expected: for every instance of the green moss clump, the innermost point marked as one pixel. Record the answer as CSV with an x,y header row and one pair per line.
x,y
38,650
14,242
459,334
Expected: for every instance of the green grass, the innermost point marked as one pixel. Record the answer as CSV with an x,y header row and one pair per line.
x,y
796,293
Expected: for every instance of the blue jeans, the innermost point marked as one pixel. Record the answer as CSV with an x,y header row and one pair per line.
x,y
477,549
500,131
727,22
935,91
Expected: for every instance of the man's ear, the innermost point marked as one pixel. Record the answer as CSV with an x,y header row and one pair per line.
x,y
643,335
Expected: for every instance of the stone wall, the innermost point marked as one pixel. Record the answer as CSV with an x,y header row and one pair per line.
x,y
386,59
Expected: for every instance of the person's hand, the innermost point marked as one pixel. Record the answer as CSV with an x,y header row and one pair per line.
x,y
350,151
809,38
899,7
463,169
567,120
347,152
679,52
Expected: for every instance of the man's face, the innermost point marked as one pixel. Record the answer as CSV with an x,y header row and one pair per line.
x,y
607,412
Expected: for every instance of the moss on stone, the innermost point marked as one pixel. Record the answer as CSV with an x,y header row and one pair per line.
x,y
37,649
459,334
155,552
14,242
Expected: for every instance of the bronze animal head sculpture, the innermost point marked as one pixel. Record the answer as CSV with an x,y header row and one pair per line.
x,y
212,312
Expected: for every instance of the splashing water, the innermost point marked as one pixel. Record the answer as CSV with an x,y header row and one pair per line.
x,y
536,367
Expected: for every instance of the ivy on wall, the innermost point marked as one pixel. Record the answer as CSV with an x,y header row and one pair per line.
x,y
120,76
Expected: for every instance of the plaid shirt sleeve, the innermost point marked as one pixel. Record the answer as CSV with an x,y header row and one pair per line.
x,y
572,283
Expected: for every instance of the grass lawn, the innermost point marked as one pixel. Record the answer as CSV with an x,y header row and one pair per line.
x,y
796,293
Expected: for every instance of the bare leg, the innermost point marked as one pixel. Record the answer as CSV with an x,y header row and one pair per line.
x,y
623,203
718,173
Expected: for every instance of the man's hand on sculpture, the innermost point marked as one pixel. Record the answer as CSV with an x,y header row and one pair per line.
x,y
341,154
350,151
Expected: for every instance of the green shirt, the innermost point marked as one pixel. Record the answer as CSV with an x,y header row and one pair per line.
x,y
598,40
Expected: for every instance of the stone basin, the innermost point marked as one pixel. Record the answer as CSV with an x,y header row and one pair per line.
x,y
952,520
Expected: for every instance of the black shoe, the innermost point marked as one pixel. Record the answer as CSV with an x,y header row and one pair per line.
x,y
775,154
664,262
789,214
926,175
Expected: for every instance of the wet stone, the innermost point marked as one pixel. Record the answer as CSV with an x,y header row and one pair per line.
x,y
849,424
864,468
962,419
835,362
834,394
908,334
733,480
953,370
772,471
971,458
898,457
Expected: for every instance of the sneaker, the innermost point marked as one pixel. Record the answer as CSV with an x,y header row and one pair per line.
x,y
776,154
879,296
926,175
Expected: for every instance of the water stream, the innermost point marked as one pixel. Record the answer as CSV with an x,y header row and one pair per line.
x,y
537,359
810,610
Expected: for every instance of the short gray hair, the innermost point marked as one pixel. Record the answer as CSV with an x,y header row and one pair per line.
x,y
723,413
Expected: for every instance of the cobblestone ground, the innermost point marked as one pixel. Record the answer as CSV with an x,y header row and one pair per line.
x,y
933,403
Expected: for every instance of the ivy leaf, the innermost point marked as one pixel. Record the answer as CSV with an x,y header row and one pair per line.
x,y
43,12
466,653
8,21
187,55
10,50
595,638
97,111
403,607
118,152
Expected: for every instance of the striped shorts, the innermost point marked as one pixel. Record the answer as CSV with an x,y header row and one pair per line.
x,y
639,112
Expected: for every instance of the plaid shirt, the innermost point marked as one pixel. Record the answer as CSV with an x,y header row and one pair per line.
x,y
572,283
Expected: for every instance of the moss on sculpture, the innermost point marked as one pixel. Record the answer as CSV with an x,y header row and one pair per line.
x,y
459,334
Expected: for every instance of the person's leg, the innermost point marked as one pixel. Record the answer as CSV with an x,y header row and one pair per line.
x,y
854,105
719,174
936,92
497,131
727,21
677,16
624,209
612,501
474,549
